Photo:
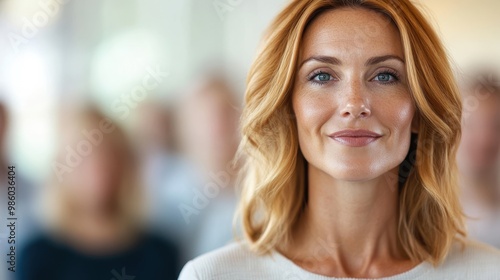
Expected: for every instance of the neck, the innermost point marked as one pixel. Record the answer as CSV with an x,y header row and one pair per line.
x,y
98,232
352,224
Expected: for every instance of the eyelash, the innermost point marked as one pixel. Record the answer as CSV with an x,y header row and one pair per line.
x,y
394,74
316,73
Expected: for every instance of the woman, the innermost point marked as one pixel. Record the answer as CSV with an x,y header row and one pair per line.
x,y
92,211
350,131
478,157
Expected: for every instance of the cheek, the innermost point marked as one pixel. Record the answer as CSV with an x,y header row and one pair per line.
x,y
311,113
397,115
406,130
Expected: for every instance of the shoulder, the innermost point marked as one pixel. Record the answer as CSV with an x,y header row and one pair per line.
x,y
473,260
157,242
474,252
33,258
152,245
40,244
233,261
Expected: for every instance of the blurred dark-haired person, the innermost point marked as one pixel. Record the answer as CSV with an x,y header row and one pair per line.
x,y
208,130
92,211
479,157
168,177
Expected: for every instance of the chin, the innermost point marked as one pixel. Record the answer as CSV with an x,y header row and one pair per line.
x,y
359,171
353,176
350,173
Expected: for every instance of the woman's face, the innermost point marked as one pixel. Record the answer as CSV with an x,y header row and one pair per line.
x,y
96,181
479,150
353,108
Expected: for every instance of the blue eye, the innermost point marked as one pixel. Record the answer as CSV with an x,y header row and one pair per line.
x,y
323,77
320,77
386,78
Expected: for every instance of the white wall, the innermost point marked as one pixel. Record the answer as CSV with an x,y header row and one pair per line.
x,y
469,28
92,45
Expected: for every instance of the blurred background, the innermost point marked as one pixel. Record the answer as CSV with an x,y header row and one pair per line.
x,y
87,87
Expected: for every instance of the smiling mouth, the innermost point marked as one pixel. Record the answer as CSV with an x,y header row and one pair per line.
x,y
355,138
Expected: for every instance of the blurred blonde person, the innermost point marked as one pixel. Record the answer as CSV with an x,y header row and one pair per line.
x,y
92,210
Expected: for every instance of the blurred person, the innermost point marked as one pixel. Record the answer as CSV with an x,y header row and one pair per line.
x,y
479,157
153,135
350,128
209,138
92,210
14,188
209,123
168,177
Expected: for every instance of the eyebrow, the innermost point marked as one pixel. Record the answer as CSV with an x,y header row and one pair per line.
x,y
335,61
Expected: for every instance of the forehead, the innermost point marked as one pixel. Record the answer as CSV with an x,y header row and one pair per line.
x,y
356,31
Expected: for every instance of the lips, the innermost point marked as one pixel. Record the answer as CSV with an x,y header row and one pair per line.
x,y
355,138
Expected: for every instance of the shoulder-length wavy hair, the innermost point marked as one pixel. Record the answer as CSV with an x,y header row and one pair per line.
x,y
274,173
57,204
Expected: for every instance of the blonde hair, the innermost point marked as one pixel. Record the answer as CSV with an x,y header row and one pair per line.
x,y
274,173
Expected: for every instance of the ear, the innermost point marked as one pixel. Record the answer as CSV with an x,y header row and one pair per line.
x,y
415,123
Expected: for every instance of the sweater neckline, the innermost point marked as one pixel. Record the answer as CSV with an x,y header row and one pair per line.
x,y
294,271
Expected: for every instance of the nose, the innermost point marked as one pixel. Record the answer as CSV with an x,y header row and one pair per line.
x,y
355,104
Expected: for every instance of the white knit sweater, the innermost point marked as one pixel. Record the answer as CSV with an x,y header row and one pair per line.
x,y
236,261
